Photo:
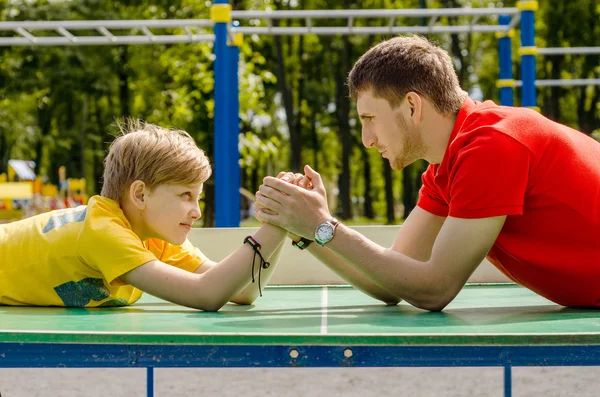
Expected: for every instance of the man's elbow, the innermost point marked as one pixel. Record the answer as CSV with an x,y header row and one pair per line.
x,y
433,301
433,306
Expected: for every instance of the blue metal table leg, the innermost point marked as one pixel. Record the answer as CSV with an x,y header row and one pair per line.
x,y
150,381
507,381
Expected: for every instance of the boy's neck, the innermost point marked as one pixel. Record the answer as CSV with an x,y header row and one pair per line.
x,y
135,218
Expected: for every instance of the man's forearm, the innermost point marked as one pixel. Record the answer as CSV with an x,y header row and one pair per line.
x,y
404,277
351,275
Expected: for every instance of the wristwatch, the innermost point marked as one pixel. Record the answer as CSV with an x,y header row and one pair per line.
x,y
325,231
302,244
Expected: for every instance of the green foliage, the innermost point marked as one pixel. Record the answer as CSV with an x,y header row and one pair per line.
x,y
58,105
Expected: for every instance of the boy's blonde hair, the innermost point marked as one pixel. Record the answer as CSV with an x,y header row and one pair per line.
x,y
153,155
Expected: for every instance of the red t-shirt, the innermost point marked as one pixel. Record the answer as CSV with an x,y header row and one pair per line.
x,y
545,177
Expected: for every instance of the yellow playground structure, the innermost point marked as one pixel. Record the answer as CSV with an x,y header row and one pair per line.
x,y
24,194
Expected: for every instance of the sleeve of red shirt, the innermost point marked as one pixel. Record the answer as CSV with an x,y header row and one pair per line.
x,y
429,197
488,176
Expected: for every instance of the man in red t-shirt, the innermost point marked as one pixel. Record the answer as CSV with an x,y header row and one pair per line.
x,y
503,182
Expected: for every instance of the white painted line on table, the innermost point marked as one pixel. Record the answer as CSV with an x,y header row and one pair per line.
x,y
324,311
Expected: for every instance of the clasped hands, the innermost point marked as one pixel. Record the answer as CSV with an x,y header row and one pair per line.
x,y
294,202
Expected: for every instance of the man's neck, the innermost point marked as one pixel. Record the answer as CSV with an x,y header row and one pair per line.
x,y
438,129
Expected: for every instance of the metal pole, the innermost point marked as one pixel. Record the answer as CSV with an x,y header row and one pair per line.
x,y
528,52
225,191
233,50
506,82
507,381
150,382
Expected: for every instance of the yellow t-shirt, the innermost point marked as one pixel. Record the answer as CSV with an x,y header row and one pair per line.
x,y
74,257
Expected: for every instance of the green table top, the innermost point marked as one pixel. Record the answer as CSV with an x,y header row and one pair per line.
x,y
480,315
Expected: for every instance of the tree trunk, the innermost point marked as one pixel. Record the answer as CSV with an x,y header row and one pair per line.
x,y
208,215
44,118
83,137
342,115
389,192
555,92
368,203
408,183
288,102
123,82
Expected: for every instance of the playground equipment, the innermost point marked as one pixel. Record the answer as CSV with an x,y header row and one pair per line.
x,y
23,193
228,36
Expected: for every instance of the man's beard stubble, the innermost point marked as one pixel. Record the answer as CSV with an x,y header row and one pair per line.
x,y
413,148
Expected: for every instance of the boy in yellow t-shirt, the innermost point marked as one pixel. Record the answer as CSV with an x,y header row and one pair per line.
x,y
131,238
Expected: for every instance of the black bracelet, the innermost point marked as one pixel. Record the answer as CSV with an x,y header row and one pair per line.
x,y
263,264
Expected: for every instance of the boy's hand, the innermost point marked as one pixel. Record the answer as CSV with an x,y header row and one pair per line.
x,y
296,179
298,210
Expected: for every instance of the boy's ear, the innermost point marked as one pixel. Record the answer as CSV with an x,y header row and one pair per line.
x,y
136,194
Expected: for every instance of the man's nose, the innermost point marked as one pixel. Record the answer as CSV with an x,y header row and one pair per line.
x,y
368,139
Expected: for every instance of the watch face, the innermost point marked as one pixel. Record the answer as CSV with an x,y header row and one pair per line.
x,y
325,232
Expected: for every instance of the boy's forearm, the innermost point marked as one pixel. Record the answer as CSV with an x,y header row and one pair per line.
x,y
234,273
249,294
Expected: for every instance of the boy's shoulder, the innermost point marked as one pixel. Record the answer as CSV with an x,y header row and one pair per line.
x,y
105,217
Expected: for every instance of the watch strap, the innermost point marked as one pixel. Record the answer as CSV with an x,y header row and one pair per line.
x,y
302,244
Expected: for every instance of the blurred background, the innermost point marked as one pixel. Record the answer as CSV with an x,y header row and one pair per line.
x,y
59,105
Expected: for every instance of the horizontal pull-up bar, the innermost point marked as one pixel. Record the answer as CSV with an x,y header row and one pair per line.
x,y
379,13
562,82
109,24
307,16
360,30
568,50
103,40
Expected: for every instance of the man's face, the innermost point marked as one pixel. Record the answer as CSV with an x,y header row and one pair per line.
x,y
170,212
389,131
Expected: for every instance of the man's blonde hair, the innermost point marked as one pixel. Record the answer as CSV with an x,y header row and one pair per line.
x,y
406,64
153,155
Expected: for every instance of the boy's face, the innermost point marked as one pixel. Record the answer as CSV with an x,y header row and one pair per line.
x,y
170,211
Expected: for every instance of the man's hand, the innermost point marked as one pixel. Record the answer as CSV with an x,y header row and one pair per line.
x,y
292,207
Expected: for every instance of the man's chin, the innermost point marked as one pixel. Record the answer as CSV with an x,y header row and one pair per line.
x,y
396,165
399,165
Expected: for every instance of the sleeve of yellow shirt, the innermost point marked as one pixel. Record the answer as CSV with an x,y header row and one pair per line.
x,y
184,256
110,246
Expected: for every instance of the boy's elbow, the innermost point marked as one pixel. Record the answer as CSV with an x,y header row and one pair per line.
x,y
212,306
245,300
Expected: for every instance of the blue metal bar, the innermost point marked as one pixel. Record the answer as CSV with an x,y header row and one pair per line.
x,y
505,62
233,215
225,162
528,92
150,382
70,355
507,381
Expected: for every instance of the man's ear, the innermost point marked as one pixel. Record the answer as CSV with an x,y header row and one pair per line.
x,y
415,104
137,194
